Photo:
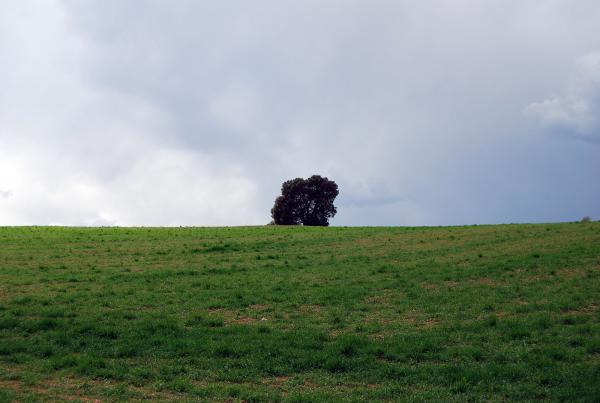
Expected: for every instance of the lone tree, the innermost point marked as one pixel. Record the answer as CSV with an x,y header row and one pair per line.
x,y
305,201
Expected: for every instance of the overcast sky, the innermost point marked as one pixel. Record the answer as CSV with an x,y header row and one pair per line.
x,y
116,112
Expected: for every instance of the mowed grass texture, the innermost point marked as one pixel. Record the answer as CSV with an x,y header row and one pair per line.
x,y
505,312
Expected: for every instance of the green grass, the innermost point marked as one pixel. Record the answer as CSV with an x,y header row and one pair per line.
x,y
505,312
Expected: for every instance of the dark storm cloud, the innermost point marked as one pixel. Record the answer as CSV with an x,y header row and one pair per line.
x,y
195,112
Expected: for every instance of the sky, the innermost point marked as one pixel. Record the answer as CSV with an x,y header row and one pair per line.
x,y
168,113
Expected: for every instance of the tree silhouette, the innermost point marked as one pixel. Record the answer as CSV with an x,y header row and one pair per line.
x,y
305,201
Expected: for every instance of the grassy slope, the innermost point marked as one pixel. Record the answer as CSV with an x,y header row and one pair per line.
x,y
270,313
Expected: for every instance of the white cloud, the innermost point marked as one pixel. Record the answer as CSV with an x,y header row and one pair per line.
x,y
577,111
76,153
162,187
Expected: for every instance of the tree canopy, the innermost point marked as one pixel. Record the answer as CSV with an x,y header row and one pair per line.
x,y
305,201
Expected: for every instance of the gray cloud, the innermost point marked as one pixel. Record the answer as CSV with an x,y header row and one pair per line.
x,y
577,112
193,113
5,194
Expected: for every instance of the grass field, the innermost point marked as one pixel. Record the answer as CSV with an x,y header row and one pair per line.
x,y
505,312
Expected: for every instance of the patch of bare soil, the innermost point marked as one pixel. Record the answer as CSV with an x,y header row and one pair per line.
x,y
258,307
276,382
586,310
232,317
570,273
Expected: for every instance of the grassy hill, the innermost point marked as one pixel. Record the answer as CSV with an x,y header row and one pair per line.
x,y
276,313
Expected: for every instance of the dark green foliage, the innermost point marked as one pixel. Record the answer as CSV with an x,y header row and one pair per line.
x,y
305,201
